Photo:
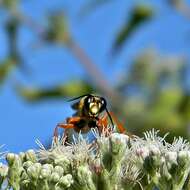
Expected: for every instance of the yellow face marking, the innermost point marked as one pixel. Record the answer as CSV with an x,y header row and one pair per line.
x,y
94,108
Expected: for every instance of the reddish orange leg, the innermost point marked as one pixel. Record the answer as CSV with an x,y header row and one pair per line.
x,y
104,122
64,126
71,121
119,125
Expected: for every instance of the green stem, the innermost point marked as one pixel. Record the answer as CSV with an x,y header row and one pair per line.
x,y
180,185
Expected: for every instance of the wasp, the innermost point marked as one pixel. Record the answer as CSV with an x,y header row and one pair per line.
x,y
90,112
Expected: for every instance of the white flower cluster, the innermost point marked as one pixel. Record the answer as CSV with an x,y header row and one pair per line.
x,y
113,161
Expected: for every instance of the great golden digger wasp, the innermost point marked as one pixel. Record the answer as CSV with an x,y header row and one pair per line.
x,y
91,112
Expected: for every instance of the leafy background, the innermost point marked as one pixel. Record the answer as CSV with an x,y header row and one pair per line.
x,y
134,53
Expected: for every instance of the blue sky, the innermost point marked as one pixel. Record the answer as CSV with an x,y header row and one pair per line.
x,y
21,123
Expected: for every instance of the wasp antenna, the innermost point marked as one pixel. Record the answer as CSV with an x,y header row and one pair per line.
x,y
76,98
109,115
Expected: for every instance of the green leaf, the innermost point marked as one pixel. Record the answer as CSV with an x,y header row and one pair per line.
x,y
12,33
139,15
71,89
184,107
12,29
5,69
10,4
57,30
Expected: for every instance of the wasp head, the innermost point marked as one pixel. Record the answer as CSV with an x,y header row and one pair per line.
x,y
94,105
91,105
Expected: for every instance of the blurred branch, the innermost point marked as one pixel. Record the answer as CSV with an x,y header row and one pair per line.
x,y
12,31
58,33
98,77
13,59
37,28
90,66
72,88
92,5
181,6
73,46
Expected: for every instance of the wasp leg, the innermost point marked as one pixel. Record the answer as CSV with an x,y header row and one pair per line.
x,y
104,122
64,126
118,123
120,126
73,120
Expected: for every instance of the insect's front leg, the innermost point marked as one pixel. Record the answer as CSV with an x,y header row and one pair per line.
x,y
74,120
103,122
103,125
64,126
71,122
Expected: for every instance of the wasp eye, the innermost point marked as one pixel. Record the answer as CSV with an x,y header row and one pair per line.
x,y
89,100
103,101
103,104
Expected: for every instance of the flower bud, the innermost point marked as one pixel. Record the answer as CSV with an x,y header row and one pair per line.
x,y
10,158
27,164
34,170
154,150
83,172
31,155
24,176
45,173
22,156
48,167
183,157
119,138
171,158
64,163
103,143
31,171
38,166
143,152
54,177
59,170
66,181
118,143
3,170
152,162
